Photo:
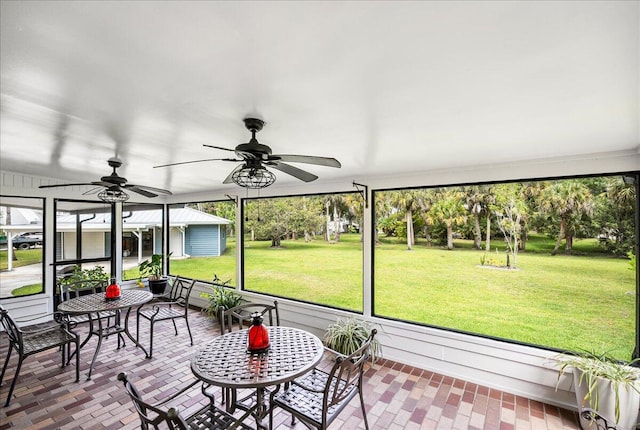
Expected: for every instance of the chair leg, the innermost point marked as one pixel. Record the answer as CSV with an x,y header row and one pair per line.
x,y
63,353
364,411
189,330
15,378
6,362
77,342
175,328
138,327
150,338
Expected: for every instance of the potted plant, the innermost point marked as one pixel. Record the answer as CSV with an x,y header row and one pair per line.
x,y
607,390
347,335
152,270
221,298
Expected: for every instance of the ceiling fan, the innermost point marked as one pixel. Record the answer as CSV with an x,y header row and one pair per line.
x,y
254,156
110,188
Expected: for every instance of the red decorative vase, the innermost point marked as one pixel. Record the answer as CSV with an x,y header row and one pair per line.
x,y
113,291
258,334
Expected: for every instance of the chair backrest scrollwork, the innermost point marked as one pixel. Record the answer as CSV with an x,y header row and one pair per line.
x,y
10,327
346,374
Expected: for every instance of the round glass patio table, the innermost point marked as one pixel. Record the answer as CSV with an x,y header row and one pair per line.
x,y
225,362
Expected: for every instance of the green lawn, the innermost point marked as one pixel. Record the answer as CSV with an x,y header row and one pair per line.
x,y
320,272
24,257
566,302
562,301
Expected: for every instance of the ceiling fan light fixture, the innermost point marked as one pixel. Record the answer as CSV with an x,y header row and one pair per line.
x,y
253,177
113,195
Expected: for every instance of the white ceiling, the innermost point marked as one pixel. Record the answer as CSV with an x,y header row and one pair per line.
x,y
384,87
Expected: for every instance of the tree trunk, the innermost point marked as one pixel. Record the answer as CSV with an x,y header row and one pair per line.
x,y
327,236
410,238
336,223
515,245
560,236
487,245
523,242
477,238
569,244
449,236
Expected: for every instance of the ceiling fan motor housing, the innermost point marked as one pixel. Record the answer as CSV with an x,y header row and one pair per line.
x,y
253,124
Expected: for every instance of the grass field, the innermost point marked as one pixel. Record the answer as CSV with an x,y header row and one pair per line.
x,y
584,301
566,302
24,257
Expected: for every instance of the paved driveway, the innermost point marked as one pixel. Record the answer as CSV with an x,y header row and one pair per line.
x,y
19,276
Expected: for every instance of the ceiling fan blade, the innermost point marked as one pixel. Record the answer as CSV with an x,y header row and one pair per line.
x,y
219,147
93,191
246,155
309,159
293,171
142,192
138,188
197,161
228,179
80,184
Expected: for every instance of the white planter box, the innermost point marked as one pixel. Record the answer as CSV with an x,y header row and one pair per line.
x,y
629,404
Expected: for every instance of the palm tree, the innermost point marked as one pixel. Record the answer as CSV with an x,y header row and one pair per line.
x,y
448,208
615,217
355,206
478,199
409,202
567,201
338,203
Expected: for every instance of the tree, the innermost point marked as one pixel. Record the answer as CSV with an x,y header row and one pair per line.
x,y
407,203
448,208
355,206
273,220
306,216
614,217
510,210
566,202
338,203
385,215
478,198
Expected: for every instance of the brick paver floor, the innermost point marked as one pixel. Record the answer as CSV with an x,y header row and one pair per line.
x,y
397,396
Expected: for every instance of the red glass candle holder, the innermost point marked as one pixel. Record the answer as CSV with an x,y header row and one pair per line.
x,y
258,335
113,291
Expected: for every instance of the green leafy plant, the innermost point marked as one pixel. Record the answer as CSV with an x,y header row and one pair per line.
x,y
483,259
594,368
151,269
347,335
80,274
221,298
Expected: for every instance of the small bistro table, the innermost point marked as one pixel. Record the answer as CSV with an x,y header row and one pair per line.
x,y
96,303
225,362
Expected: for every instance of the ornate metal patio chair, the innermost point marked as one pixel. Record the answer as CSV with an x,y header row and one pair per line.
x,y
317,398
240,316
31,339
174,307
160,415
